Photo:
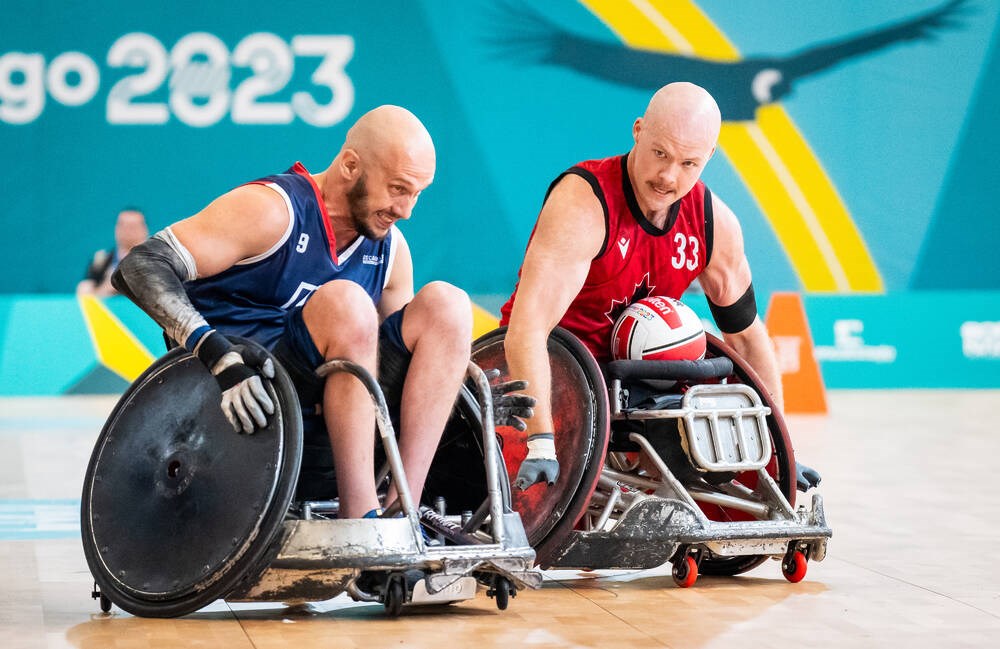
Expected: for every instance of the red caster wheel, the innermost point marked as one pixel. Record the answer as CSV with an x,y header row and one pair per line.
x,y
794,566
685,572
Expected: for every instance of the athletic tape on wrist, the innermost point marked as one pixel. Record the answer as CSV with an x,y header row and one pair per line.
x,y
211,348
542,445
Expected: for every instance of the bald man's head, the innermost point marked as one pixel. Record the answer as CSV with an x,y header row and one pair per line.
x,y
392,135
685,108
674,140
387,160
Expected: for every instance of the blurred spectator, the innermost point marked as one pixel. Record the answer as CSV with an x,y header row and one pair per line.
x,y
130,230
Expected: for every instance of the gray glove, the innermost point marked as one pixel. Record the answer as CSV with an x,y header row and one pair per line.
x,y
510,409
238,369
540,464
806,477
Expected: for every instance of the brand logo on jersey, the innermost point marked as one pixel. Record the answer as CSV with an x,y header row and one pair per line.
x,y
623,246
371,260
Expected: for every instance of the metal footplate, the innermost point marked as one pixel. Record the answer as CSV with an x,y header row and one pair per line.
x,y
319,559
388,560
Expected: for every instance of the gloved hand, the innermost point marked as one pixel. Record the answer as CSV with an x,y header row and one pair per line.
x,y
510,409
806,477
540,464
238,369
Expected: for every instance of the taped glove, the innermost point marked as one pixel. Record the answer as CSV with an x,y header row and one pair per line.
x,y
510,409
540,464
237,369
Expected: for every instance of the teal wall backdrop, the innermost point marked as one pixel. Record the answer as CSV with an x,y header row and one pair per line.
x,y
858,150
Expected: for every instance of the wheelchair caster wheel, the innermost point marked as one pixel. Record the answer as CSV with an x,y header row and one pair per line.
x,y
794,566
394,597
101,598
685,572
502,591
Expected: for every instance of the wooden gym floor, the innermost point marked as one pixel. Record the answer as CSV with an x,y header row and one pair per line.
x,y
909,479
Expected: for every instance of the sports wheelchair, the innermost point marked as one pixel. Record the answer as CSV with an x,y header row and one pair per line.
x,y
684,462
178,510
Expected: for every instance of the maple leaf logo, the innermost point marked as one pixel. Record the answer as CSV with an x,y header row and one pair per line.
x,y
642,289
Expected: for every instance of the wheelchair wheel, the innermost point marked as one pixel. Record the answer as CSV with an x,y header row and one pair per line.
x,y
781,466
177,508
458,471
580,411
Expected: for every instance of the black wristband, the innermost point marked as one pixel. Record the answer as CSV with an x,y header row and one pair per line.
x,y
213,347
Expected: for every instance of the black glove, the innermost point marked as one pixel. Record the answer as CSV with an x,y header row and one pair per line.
x,y
805,477
510,409
540,464
237,369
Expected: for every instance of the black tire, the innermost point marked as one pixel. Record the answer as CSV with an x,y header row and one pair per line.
x,y
395,596
112,527
501,591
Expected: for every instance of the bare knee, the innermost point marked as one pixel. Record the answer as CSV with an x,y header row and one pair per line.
x,y
444,311
342,320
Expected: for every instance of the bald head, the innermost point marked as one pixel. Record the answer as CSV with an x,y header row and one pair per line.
x,y
392,135
674,140
685,108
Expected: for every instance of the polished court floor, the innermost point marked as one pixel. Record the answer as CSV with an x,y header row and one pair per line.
x,y
909,485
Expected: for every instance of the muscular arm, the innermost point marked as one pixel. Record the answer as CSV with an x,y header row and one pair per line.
x,y
398,290
240,224
724,281
569,234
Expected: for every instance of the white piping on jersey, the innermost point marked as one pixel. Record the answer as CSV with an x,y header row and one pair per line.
x,y
393,244
344,256
167,236
288,231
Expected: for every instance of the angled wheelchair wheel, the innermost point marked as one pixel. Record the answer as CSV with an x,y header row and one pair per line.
x,y
458,471
580,412
781,467
177,508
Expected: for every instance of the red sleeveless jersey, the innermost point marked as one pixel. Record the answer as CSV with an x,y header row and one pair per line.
x,y
637,259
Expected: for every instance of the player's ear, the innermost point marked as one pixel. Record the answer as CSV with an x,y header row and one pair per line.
x,y
350,164
636,128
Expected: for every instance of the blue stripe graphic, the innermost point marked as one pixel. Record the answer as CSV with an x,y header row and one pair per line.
x,y
22,520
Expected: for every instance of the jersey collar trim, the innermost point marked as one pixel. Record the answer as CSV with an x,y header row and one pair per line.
x,y
633,205
300,169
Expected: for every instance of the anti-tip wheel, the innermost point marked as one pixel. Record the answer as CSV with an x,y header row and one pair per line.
x,y
794,566
685,572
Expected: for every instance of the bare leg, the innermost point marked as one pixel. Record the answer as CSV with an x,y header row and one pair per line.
x,y
437,329
343,323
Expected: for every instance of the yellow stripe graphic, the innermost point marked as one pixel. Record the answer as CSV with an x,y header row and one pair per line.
x,y
482,321
770,155
114,345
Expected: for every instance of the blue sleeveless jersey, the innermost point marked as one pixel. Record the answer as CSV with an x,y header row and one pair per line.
x,y
251,298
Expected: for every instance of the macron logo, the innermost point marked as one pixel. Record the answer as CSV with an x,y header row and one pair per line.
x,y
623,246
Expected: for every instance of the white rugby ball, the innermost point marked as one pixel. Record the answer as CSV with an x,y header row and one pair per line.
x,y
658,329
